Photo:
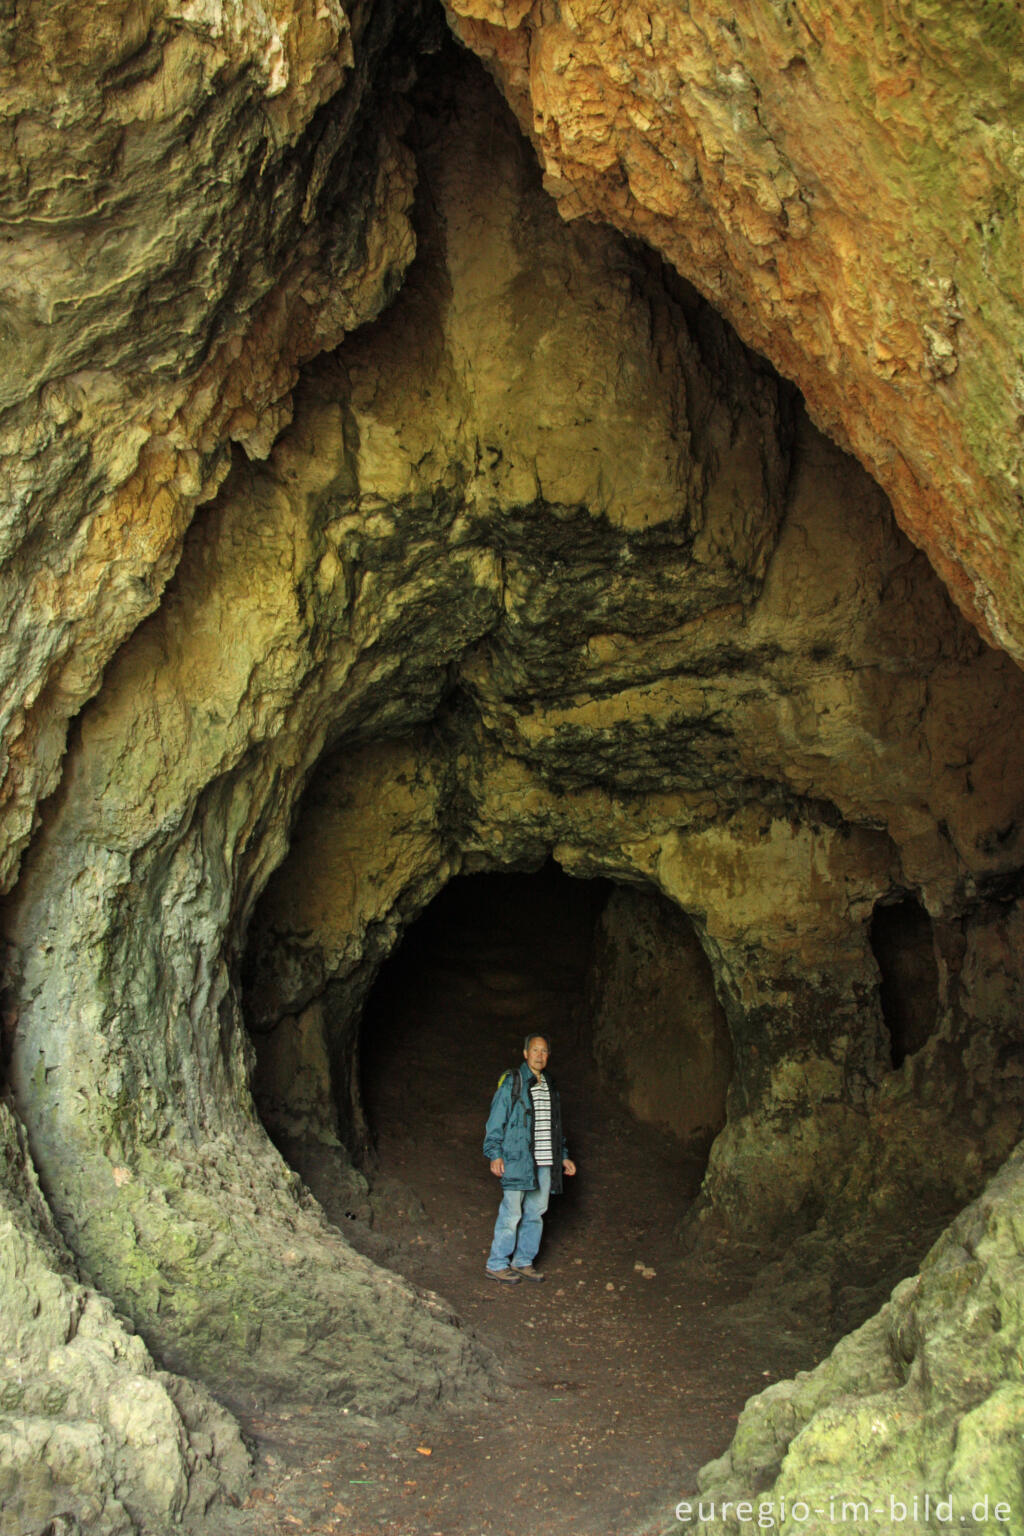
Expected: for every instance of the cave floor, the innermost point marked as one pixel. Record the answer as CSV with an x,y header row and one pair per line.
x,y
620,1375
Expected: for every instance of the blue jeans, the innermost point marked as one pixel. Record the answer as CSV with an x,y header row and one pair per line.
x,y
518,1227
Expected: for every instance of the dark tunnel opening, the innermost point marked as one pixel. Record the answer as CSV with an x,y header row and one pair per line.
x,y
492,958
904,948
626,1326
639,1048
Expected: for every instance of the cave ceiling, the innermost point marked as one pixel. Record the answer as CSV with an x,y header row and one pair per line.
x,y
195,203
843,181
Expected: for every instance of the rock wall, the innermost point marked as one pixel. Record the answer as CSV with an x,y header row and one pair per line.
x,y
775,722
195,201
128,1058
367,854
922,1405
89,1426
660,1036
843,182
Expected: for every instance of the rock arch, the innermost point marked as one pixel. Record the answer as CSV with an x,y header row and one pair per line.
x,y
546,561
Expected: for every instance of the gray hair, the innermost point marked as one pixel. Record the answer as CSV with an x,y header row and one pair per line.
x,y
537,1034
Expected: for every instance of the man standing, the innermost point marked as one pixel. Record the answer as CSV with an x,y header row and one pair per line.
x,y
527,1152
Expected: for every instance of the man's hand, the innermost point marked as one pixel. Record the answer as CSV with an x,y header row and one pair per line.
x,y
497,1166
568,1166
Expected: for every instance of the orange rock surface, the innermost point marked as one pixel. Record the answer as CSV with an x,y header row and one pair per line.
x,y
842,181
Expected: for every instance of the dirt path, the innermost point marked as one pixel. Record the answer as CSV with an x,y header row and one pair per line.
x,y
624,1371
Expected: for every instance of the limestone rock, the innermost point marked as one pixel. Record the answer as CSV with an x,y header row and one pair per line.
x,y
157,1169
772,742
842,182
659,1033
923,1400
366,855
89,1428
177,243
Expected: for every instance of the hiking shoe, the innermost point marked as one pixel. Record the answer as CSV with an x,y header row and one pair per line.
x,y
506,1276
527,1271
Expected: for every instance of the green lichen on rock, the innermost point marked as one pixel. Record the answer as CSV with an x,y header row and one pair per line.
x,y
89,1427
926,1399
234,1274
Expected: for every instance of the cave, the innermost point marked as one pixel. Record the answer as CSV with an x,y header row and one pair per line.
x,y
613,976
509,468
493,958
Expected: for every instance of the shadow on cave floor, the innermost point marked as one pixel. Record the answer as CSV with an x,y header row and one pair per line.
x,y
625,1370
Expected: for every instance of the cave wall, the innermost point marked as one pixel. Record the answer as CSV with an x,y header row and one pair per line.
x,y
367,855
841,182
777,722
91,1427
660,1036
726,674
128,1059
925,1397
195,200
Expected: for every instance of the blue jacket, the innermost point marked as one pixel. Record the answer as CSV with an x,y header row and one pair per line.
x,y
509,1132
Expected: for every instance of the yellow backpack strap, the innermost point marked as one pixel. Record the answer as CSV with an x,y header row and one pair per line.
x,y
517,1082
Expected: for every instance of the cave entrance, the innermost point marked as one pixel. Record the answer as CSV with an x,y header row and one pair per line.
x,y
903,943
616,978
493,957
617,1361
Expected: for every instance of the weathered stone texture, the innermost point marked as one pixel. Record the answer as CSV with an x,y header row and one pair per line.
x,y
138,1097
659,1034
776,723
924,1399
842,181
88,1425
367,854
192,203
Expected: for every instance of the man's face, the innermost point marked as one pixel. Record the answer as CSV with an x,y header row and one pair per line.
x,y
536,1054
